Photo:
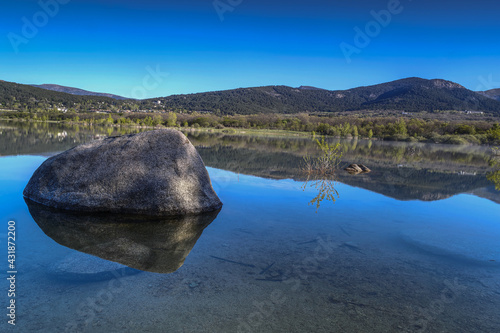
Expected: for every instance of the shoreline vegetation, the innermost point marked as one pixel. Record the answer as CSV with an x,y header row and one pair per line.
x,y
390,128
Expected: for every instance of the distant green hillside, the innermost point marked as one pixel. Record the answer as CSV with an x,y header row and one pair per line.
x,y
412,94
25,97
75,91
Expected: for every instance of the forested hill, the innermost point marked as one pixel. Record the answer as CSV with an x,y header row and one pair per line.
x,y
25,97
412,94
493,93
75,91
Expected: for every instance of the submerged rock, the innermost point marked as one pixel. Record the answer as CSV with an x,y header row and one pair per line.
x,y
469,243
156,173
364,168
147,243
81,267
357,168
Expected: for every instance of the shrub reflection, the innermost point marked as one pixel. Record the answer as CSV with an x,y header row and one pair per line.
x,y
321,171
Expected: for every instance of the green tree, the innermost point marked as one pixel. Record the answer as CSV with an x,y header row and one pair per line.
x,y
400,127
171,119
110,120
465,129
355,130
494,133
157,120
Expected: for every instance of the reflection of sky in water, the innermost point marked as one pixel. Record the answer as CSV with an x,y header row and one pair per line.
x,y
266,221
15,171
464,219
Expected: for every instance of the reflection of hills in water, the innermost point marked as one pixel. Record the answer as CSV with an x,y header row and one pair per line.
x,y
404,171
399,170
31,138
146,243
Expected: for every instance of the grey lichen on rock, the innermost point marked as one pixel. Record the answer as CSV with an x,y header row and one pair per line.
x,y
155,173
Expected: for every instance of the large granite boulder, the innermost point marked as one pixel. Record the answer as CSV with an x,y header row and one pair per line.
x,y
155,173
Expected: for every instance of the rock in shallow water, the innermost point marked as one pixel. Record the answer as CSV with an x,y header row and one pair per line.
x,y
357,168
156,173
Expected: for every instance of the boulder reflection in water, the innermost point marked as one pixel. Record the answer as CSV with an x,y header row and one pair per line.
x,y
146,243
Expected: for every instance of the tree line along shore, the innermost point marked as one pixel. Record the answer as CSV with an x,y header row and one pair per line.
x,y
382,127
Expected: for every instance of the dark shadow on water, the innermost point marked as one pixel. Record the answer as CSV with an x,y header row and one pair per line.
x,y
145,243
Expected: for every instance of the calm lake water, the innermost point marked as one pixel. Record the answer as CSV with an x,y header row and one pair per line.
x,y
413,246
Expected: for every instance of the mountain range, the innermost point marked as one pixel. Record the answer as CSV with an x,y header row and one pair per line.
x,y
410,94
493,93
75,91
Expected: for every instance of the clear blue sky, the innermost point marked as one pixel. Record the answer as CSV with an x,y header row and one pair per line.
x,y
109,45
